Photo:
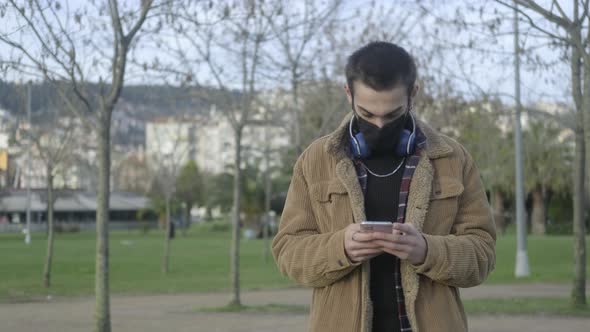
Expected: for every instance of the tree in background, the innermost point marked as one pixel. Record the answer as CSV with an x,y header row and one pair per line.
x,y
159,205
324,105
170,152
64,46
52,139
548,164
227,39
297,33
570,32
132,174
189,190
478,126
218,193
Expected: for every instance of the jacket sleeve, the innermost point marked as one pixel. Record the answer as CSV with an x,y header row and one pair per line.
x,y
301,252
465,257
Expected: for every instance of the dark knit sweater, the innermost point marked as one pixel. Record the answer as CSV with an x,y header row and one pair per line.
x,y
381,203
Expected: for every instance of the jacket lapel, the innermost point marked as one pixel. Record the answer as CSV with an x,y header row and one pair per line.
x,y
418,200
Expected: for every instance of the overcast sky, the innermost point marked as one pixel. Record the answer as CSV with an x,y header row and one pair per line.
x,y
490,70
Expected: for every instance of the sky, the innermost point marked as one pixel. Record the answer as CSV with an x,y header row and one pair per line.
x,y
468,71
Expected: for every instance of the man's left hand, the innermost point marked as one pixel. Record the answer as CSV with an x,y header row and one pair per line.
x,y
404,242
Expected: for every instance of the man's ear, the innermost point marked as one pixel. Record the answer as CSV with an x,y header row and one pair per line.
x,y
415,90
348,93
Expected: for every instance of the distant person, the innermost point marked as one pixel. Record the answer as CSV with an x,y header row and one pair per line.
x,y
172,231
383,164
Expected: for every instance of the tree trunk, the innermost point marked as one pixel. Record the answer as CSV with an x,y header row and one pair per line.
x,y
297,117
208,213
235,247
187,218
582,137
50,202
499,211
267,194
167,230
579,285
538,212
102,313
266,225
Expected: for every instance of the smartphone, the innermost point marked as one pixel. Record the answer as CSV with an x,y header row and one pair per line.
x,y
377,226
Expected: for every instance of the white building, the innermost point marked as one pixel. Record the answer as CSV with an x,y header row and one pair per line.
x,y
6,119
210,142
215,145
76,170
3,140
171,140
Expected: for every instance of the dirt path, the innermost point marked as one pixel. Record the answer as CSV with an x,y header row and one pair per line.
x,y
173,313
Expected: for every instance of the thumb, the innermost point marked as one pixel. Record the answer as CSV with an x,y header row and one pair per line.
x,y
406,228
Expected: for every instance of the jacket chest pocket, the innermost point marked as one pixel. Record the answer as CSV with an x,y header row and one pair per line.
x,y
443,206
331,205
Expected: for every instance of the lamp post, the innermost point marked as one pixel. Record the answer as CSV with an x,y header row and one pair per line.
x,y
522,262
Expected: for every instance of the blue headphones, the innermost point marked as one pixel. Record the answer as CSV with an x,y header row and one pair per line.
x,y
404,148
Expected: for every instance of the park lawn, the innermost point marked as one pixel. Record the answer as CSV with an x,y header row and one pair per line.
x,y
550,259
200,262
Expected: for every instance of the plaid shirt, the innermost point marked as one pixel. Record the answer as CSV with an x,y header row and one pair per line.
x,y
409,169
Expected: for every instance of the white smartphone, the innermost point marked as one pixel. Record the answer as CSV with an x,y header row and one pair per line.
x,y
377,226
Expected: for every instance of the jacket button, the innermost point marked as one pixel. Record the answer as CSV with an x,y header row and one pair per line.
x,y
340,263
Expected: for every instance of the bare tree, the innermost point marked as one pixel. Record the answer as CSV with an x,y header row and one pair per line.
x,y
323,105
61,44
471,34
170,153
297,31
53,141
190,191
570,31
227,39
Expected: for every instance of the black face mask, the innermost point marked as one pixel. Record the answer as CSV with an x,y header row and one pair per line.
x,y
382,140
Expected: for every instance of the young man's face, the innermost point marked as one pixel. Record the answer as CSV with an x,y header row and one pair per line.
x,y
379,107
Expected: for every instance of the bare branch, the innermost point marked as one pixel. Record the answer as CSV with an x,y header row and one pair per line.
x,y
38,35
585,11
558,6
42,66
121,46
533,24
146,5
562,21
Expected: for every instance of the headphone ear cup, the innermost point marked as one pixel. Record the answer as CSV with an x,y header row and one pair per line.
x,y
405,147
360,149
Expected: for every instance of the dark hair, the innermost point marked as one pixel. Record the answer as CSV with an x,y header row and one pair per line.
x,y
381,65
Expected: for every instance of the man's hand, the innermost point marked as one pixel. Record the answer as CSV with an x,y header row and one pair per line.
x,y
405,242
358,245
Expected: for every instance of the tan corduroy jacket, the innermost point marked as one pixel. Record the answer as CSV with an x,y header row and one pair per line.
x,y
447,203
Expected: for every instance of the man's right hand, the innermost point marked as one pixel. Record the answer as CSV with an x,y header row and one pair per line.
x,y
358,245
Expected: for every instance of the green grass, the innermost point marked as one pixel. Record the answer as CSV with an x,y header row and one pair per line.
x,y
200,262
550,259
272,308
525,306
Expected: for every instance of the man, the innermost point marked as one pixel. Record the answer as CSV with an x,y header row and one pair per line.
x,y
382,164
